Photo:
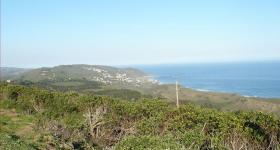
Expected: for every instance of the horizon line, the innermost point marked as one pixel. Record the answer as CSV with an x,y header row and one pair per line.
x,y
160,63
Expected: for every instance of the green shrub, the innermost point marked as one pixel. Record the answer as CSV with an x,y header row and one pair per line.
x,y
13,142
148,142
141,124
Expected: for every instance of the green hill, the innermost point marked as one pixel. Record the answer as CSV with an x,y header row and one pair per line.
x,y
103,74
12,73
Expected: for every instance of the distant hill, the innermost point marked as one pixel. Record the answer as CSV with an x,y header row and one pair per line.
x,y
11,72
103,74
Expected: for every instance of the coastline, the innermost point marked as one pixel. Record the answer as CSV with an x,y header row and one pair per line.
x,y
257,80
212,91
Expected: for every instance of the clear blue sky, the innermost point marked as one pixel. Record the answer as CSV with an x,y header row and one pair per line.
x,y
38,33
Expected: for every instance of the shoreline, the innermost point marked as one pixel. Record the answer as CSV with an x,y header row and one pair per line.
x,y
217,92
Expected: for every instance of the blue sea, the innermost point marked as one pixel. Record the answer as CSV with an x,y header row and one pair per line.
x,y
258,79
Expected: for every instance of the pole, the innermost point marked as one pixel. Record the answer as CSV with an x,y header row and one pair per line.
x,y
177,95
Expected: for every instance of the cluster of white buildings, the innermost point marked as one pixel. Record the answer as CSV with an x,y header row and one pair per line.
x,y
108,78
47,73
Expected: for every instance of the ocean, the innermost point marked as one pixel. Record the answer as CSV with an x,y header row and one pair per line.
x,y
259,79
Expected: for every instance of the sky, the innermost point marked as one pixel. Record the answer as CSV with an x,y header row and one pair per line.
x,y
36,33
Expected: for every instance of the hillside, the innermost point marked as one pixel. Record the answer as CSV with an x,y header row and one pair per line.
x,y
11,73
103,74
33,118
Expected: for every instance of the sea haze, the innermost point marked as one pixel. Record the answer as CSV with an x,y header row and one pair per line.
x,y
260,79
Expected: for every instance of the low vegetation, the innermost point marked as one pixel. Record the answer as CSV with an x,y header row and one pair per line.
x,y
33,118
63,85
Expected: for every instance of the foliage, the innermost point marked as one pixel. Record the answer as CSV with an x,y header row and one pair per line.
x,y
72,120
11,141
62,84
125,94
148,142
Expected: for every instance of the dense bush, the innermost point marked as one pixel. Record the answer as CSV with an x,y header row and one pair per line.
x,y
125,94
148,142
62,84
82,121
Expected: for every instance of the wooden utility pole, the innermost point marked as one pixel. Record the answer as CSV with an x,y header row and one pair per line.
x,y
177,95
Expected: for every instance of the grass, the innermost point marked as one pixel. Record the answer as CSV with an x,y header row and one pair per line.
x,y
16,130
